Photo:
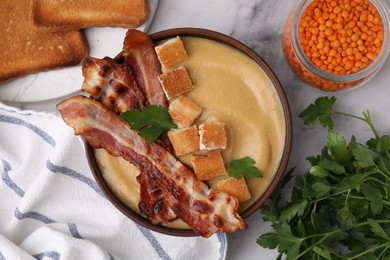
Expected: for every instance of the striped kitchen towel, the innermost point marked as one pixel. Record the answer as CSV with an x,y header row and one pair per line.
x,y
51,207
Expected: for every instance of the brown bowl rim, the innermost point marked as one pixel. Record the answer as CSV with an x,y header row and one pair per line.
x,y
225,39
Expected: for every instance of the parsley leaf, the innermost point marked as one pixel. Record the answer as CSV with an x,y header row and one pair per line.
x,y
321,110
321,189
296,209
323,251
284,239
377,229
244,167
150,121
337,146
332,166
319,171
363,158
384,144
374,196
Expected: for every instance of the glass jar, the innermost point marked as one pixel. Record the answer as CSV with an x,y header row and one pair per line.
x,y
304,68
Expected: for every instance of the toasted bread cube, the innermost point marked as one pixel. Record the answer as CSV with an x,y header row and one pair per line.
x,y
184,111
236,188
212,136
185,140
175,82
171,52
208,166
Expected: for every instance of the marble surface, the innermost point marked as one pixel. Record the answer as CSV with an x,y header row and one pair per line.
x,y
259,24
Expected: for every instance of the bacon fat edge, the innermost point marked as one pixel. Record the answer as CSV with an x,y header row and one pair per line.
x,y
206,211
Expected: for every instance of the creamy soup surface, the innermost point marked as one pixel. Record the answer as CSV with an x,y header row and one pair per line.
x,y
232,89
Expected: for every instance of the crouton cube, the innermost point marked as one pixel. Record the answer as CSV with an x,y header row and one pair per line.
x,y
185,140
184,111
175,82
208,166
171,52
236,188
212,136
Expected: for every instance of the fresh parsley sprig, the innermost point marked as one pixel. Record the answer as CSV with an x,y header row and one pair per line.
x,y
150,121
244,167
322,110
340,208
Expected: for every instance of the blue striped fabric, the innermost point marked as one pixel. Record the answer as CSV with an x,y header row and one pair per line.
x,y
35,129
49,254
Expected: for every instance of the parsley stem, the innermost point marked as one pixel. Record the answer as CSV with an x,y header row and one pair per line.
x,y
312,216
383,252
332,195
333,178
370,250
383,174
371,124
363,198
324,237
378,181
349,115
366,118
384,165
346,198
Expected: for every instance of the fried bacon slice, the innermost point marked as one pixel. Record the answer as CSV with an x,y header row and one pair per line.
x,y
152,202
139,54
141,57
206,211
113,84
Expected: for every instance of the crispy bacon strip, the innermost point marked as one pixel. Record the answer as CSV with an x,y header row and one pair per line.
x,y
113,84
152,202
140,56
206,211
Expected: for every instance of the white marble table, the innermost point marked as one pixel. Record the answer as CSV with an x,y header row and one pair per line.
x,y
259,24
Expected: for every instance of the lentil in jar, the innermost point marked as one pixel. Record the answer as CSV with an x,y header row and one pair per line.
x,y
338,37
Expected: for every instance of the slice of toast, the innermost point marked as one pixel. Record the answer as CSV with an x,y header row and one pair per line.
x,y
213,136
184,111
208,166
76,14
24,50
234,187
175,82
184,140
171,52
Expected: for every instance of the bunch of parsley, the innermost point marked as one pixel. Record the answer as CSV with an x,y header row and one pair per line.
x,y
340,208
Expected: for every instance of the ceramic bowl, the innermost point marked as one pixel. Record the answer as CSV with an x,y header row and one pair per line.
x,y
283,158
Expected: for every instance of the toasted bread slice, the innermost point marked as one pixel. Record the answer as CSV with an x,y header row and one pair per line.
x,y
184,140
175,82
237,188
24,50
76,14
208,166
184,111
171,52
212,136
